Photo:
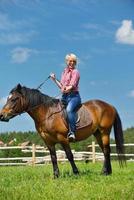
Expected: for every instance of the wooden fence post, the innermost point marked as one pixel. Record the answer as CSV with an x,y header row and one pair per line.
x,y
93,152
33,154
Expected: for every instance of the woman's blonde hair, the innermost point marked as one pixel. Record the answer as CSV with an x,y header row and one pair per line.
x,y
71,55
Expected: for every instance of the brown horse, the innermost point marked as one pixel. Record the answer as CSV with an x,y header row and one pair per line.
x,y
51,127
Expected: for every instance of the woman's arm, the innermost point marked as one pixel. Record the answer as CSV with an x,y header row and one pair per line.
x,y
58,83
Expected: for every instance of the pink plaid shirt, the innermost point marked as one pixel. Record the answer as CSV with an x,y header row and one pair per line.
x,y
70,77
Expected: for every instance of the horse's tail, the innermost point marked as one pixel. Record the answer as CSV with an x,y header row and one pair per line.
x,y
119,139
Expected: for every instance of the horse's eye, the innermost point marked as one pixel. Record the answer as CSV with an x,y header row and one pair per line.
x,y
14,99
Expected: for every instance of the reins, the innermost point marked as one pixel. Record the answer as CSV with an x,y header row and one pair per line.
x,y
34,107
39,87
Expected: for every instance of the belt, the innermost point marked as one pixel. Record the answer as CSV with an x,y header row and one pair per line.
x,y
73,92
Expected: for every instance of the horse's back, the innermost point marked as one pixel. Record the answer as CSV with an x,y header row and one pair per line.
x,y
101,111
96,102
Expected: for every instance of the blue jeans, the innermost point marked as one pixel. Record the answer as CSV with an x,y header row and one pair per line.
x,y
72,102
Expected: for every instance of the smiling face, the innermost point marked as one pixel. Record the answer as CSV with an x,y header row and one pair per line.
x,y
71,60
71,63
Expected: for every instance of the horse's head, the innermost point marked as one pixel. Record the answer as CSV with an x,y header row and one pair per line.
x,y
14,104
22,99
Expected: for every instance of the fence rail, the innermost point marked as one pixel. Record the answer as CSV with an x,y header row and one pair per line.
x,y
91,155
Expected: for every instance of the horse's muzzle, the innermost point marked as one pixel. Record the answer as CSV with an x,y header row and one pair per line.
x,y
3,118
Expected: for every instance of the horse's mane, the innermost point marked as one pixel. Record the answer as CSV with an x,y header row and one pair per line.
x,y
35,97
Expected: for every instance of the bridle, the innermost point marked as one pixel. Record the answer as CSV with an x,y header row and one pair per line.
x,y
34,107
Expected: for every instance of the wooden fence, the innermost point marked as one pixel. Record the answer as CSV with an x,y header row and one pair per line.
x,y
91,155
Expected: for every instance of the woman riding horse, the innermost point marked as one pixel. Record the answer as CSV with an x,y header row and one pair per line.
x,y
70,92
52,128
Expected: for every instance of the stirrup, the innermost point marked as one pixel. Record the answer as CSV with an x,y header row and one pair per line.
x,y
71,137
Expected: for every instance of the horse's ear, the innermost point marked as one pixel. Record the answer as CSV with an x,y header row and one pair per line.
x,y
18,87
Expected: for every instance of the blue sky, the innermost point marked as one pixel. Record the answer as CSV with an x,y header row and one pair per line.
x,y
35,36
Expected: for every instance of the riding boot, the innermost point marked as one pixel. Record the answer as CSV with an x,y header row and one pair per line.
x,y
71,136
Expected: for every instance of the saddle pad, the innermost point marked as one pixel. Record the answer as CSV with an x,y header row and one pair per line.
x,y
84,118
83,115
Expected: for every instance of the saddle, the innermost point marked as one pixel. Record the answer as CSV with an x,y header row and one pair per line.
x,y
83,116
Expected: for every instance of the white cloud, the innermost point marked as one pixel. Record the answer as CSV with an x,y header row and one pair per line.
x,y
131,94
16,38
5,23
125,34
11,38
89,31
76,36
15,31
21,55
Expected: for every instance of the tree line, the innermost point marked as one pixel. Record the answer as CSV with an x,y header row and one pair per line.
x,y
17,138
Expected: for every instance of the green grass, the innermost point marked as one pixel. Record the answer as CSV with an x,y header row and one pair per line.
x,y
37,183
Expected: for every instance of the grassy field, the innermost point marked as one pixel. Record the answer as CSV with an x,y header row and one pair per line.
x,y
37,183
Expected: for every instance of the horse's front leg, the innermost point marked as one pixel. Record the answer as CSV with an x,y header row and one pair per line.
x,y
70,157
54,161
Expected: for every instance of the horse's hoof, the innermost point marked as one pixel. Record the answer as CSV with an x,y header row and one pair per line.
x,y
56,176
105,173
76,172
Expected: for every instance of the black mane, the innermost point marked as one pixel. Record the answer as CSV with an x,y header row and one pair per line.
x,y
35,97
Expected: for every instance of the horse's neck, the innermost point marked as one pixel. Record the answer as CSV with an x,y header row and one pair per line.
x,y
38,111
43,118
40,105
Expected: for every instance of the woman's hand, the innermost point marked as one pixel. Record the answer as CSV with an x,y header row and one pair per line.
x,y
63,89
66,89
52,76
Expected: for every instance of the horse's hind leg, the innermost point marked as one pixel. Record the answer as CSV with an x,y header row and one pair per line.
x,y
70,157
103,140
54,161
